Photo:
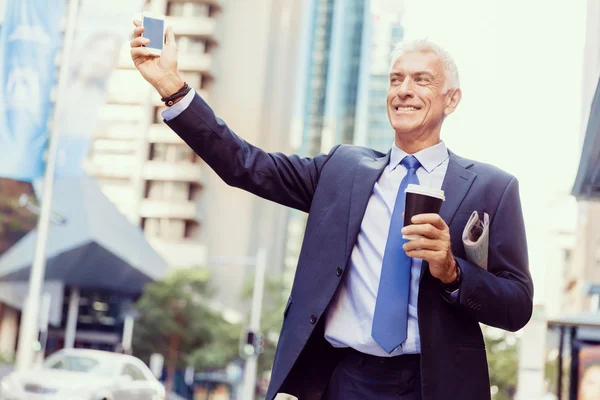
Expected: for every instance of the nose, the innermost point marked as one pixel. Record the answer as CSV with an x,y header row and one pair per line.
x,y
405,90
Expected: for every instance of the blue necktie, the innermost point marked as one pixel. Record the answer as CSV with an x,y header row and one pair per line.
x,y
391,308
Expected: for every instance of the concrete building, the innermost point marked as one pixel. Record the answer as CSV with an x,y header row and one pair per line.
x,y
147,171
255,72
150,175
583,286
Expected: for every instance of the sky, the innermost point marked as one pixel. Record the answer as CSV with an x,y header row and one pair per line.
x,y
521,65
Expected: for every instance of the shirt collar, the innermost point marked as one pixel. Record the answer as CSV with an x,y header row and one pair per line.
x,y
430,158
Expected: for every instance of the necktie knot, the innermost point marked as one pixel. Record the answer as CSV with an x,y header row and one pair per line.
x,y
410,162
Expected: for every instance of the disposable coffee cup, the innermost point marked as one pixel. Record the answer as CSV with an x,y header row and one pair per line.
x,y
421,200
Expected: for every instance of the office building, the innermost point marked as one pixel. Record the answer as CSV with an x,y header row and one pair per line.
x,y
383,29
345,77
149,174
346,73
146,170
256,69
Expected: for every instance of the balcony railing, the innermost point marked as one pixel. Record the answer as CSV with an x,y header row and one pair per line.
x,y
150,208
169,171
193,26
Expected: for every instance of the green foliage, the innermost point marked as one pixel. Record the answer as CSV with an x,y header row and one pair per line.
x,y
15,221
503,362
6,359
179,306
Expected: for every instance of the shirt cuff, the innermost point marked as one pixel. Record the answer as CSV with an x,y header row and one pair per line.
x,y
179,107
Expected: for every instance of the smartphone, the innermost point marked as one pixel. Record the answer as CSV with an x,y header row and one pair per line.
x,y
154,29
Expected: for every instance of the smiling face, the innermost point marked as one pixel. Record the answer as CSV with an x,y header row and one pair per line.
x,y
417,100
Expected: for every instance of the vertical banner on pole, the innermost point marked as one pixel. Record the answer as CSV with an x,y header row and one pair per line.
x,y
103,27
29,42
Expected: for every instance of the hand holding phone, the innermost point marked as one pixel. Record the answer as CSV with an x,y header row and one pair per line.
x,y
158,64
154,30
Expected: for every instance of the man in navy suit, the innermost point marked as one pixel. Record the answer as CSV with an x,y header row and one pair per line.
x,y
371,315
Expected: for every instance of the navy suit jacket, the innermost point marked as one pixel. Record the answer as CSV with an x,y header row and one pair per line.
x,y
334,189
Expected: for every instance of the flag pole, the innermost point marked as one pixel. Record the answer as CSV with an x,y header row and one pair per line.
x,y
29,327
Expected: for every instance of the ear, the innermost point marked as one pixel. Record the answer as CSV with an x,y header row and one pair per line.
x,y
453,98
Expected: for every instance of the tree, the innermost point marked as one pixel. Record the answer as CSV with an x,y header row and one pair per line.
x,y
503,362
176,319
15,221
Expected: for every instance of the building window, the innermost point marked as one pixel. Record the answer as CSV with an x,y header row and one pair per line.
x,y
187,9
198,9
164,228
167,190
158,152
171,152
191,45
155,190
194,79
179,191
175,9
191,229
179,153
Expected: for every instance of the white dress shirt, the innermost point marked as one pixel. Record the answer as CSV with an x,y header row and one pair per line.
x,y
350,316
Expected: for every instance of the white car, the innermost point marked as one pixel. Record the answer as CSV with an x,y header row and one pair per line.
x,y
79,374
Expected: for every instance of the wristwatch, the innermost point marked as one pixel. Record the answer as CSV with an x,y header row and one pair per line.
x,y
452,287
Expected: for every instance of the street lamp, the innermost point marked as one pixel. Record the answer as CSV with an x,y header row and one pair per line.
x,y
251,344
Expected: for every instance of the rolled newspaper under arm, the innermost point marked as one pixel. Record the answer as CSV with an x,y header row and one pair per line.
x,y
476,239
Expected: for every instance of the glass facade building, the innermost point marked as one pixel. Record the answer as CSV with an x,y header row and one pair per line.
x,y
345,76
342,87
335,36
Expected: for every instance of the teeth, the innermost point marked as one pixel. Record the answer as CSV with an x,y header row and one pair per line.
x,y
406,108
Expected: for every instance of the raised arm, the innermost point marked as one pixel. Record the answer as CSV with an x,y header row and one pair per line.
x,y
287,180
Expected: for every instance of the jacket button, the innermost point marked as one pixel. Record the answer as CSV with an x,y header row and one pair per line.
x,y
313,318
338,271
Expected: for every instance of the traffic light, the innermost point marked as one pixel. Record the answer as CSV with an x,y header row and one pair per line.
x,y
251,344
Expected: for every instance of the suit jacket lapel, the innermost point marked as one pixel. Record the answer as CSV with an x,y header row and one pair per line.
x,y
457,182
456,185
367,172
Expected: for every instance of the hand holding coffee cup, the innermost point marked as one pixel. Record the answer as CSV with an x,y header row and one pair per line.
x,y
427,234
421,200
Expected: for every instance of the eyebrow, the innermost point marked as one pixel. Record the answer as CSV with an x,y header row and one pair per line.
x,y
416,73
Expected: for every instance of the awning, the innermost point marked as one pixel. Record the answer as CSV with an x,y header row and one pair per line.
x,y
91,245
587,183
585,319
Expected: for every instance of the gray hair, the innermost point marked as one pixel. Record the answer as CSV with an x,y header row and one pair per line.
x,y
424,45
